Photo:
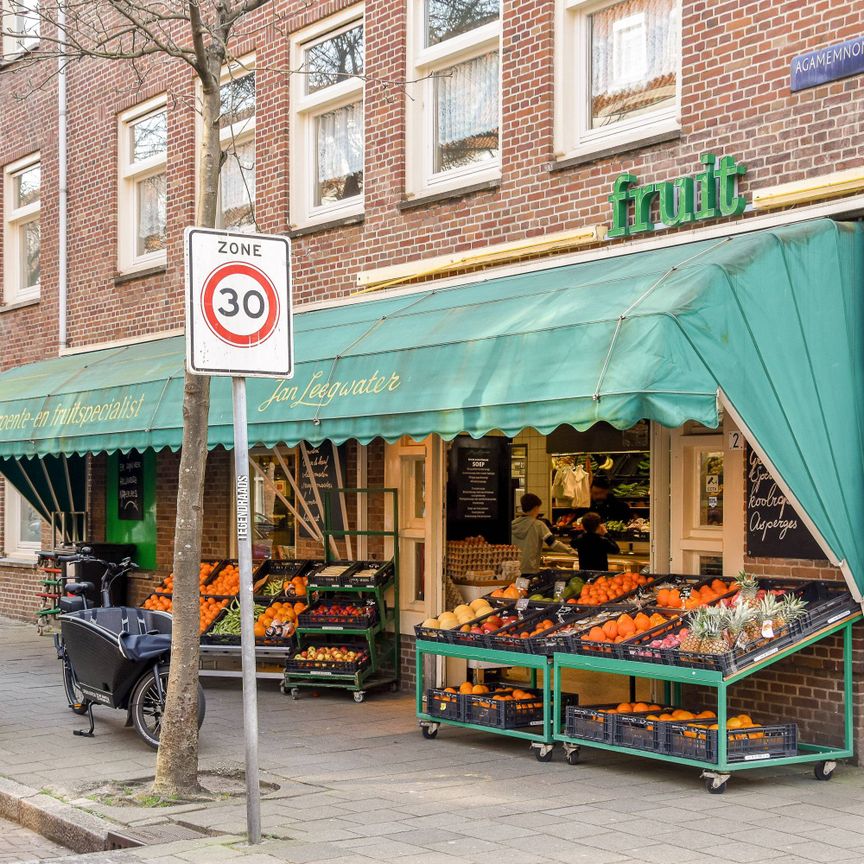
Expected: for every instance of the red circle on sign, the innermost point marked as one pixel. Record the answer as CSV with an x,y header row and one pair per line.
x,y
215,279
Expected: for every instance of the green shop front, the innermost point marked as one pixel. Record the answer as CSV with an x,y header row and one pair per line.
x,y
689,364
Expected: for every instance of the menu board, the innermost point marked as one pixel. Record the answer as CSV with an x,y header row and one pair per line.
x,y
130,486
774,529
323,465
479,491
477,495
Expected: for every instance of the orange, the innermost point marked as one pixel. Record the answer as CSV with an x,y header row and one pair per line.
x,y
641,706
625,707
466,687
734,723
610,628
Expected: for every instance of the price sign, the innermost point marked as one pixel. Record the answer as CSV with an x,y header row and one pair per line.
x,y
238,306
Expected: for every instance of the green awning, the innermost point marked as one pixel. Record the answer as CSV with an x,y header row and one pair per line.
x,y
773,319
51,483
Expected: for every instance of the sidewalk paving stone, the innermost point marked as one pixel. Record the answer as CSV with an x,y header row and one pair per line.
x,y
380,793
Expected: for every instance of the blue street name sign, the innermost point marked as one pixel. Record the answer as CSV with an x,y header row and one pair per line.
x,y
828,64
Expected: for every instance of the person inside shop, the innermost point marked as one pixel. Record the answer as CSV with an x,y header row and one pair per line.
x,y
592,544
532,535
605,503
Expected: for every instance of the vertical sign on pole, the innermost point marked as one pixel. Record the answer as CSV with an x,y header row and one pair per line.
x,y
239,324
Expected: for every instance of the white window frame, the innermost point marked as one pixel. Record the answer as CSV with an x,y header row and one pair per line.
x,y
14,546
14,43
15,219
129,174
305,108
420,176
573,136
236,134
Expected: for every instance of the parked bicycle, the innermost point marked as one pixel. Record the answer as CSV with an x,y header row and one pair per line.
x,y
115,655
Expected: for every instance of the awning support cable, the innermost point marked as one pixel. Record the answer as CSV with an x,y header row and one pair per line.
x,y
316,420
639,300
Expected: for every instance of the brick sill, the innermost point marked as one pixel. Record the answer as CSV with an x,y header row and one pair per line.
x,y
21,304
132,275
615,150
449,194
14,563
341,222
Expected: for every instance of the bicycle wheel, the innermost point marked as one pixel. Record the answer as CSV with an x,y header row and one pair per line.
x,y
74,695
147,707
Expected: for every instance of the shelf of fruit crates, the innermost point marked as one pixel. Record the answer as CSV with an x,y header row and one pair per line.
x,y
540,735
721,765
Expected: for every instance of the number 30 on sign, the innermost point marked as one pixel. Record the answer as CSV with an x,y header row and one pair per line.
x,y
238,304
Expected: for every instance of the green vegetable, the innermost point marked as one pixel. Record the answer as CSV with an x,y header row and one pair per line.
x,y
271,588
229,624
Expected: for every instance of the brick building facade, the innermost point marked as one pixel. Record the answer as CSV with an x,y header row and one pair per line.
x,y
733,97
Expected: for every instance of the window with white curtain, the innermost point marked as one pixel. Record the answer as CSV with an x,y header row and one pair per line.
x,y
327,120
22,526
236,210
453,100
143,211
22,230
19,23
617,72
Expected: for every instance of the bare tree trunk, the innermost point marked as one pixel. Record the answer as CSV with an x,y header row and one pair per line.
x,y
177,759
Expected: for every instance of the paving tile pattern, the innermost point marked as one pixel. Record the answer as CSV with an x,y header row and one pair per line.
x,y
358,784
18,844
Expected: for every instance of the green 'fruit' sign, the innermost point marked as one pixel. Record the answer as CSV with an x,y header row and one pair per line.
x,y
711,193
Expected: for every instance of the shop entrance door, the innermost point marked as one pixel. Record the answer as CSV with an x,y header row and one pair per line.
x,y
706,502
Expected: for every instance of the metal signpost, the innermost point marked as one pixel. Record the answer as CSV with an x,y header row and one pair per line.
x,y
239,324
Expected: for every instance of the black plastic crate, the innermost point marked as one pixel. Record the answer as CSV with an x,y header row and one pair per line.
x,y
372,574
317,577
323,615
456,636
511,638
697,741
295,664
637,731
487,710
210,638
447,706
591,723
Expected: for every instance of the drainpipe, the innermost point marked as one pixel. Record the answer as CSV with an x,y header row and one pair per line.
x,y
63,188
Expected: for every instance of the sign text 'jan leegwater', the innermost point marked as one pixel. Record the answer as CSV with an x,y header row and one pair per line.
x,y
710,194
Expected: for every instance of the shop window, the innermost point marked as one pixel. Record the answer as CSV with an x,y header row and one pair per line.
x,y
143,212
453,106
327,119
236,209
274,529
617,72
23,234
20,26
23,526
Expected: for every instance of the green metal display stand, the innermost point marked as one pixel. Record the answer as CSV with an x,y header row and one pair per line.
x,y
382,638
716,773
541,741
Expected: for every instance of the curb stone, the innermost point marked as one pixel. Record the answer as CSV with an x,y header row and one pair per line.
x,y
75,829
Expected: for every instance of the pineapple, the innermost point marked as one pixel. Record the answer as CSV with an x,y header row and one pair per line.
x,y
738,618
747,585
714,640
791,608
693,640
769,611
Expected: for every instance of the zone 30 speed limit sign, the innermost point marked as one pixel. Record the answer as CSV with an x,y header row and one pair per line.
x,y
238,304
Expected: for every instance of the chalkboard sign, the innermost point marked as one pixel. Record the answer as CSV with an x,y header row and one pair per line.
x,y
774,529
479,496
324,470
130,486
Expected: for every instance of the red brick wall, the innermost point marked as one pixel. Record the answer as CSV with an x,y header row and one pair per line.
x,y
735,100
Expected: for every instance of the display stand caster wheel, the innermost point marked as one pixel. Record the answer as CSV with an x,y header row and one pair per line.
x,y
543,752
394,686
295,693
359,696
572,754
430,730
282,688
824,770
715,783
